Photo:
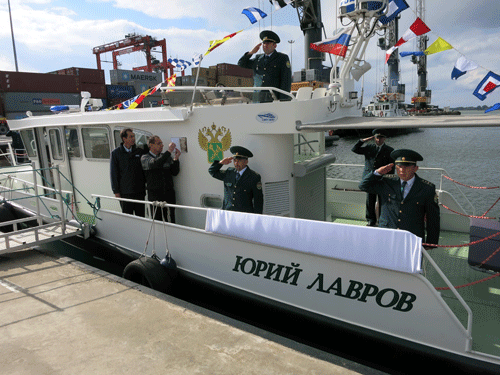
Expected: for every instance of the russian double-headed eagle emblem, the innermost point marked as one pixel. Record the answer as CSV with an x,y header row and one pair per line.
x,y
215,141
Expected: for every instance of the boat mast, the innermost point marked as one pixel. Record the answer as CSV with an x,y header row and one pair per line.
x,y
12,34
422,97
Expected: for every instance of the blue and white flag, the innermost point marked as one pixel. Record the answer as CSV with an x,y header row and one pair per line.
x,y
254,14
127,103
183,64
197,57
462,66
278,4
393,9
493,108
489,83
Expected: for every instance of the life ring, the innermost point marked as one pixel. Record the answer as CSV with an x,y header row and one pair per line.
x,y
149,272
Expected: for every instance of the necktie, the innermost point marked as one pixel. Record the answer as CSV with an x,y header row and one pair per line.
x,y
237,177
403,185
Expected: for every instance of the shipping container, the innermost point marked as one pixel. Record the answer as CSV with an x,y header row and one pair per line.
x,y
208,73
38,82
86,75
121,77
97,90
233,70
232,81
36,101
120,92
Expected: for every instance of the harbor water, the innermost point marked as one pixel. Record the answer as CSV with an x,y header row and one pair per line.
x,y
467,155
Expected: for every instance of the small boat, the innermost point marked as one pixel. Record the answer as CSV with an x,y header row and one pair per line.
x,y
309,253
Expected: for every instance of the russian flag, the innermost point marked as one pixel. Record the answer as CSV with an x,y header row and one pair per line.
x,y
254,14
336,46
489,83
416,29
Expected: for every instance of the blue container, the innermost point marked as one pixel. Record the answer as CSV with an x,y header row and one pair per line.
x,y
120,92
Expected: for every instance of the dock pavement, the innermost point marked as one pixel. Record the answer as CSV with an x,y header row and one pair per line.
x,y
59,316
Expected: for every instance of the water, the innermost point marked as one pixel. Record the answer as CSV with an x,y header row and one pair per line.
x,y
468,155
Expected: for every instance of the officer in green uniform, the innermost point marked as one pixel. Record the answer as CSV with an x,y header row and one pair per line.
x,y
407,201
271,69
242,186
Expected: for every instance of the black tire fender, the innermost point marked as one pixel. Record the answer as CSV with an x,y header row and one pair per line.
x,y
149,272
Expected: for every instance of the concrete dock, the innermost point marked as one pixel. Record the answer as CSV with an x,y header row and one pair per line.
x,y
59,316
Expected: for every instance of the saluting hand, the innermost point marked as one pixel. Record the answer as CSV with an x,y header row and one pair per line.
x,y
385,169
255,49
226,161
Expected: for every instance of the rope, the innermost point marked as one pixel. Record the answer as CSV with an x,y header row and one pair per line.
x,y
469,186
473,216
466,244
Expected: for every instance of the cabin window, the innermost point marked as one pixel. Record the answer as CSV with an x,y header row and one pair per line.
x,y
55,144
28,137
386,107
211,201
73,143
96,143
141,137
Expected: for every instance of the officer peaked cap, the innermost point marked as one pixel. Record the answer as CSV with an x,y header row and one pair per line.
x,y
269,35
379,132
403,156
240,152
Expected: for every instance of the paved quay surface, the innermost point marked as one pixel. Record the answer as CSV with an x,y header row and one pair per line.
x,y
58,316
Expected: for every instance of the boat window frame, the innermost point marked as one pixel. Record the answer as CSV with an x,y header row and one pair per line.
x,y
108,133
56,145
117,140
69,147
29,144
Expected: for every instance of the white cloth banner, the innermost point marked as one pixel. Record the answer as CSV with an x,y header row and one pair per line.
x,y
380,247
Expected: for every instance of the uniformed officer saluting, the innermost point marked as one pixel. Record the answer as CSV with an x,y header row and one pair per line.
x,y
407,201
270,69
242,186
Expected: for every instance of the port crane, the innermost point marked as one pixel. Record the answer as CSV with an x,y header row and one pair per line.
x,y
134,43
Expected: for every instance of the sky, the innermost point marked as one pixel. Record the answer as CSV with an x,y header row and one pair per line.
x,y
57,34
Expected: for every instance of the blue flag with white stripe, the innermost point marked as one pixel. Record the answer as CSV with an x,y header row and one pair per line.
x,y
254,14
393,9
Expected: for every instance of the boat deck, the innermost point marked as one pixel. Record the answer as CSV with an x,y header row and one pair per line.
x,y
480,290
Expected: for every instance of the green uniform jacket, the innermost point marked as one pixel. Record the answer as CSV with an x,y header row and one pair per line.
x,y
276,72
416,213
244,195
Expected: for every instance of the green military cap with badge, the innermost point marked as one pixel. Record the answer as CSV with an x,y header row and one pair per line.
x,y
404,156
240,152
268,35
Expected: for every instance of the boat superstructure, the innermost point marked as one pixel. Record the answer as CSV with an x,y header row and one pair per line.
x,y
310,252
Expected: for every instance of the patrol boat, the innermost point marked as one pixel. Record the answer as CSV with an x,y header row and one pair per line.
x,y
310,252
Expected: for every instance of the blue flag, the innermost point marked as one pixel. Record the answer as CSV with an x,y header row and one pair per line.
x,y
489,83
393,9
416,53
254,14
493,108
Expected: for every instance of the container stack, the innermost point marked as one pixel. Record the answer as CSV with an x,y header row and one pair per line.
x,y
36,92
139,81
229,75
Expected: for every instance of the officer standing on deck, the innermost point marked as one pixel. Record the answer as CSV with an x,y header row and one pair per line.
x,y
270,69
407,201
376,155
242,186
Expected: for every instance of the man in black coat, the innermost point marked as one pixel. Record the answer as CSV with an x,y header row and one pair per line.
x,y
376,155
242,186
127,177
159,169
270,69
407,201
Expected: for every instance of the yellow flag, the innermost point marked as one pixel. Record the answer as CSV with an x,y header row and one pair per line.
x,y
216,43
438,46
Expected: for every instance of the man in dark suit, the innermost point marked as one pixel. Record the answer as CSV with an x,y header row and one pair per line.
x,y
242,186
376,155
270,69
407,201
127,177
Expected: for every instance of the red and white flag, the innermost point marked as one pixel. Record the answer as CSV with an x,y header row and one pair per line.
x,y
416,29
